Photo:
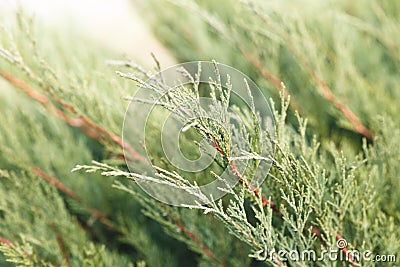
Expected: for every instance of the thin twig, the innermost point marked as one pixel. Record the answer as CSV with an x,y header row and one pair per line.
x,y
8,243
276,82
82,122
60,186
255,190
5,241
196,239
327,94
349,256
343,108
56,183
61,244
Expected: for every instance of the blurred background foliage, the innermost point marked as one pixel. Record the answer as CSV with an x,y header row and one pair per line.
x,y
61,105
351,48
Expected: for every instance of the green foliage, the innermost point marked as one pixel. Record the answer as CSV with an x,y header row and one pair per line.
x,y
309,45
62,107
36,218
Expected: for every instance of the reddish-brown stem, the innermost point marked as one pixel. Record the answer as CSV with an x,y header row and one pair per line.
x,y
255,190
264,72
5,241
344,109
61,244
349,256
327,94
9,244
56,183
60,186
82,122
193,237
276,82
196,239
